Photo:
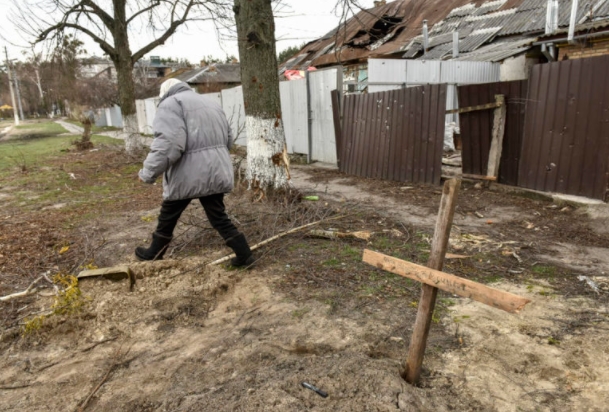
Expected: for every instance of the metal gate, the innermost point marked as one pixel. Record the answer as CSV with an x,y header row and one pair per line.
x,y
566,135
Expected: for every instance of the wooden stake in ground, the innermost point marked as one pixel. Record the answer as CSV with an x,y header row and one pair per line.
x,y
433,278
429,293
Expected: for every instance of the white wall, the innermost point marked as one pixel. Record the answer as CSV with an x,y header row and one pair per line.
x,y
514,68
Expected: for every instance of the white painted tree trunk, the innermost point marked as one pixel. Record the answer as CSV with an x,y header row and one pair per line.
x,y
267,157
133,140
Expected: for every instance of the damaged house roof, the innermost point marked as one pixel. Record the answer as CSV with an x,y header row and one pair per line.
x,y
488,30
214,73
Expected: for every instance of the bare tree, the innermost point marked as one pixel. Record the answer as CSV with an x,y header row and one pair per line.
x,y
110,24
267,159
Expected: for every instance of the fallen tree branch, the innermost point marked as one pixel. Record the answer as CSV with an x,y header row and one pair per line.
x,y
331,234
271,239
29,291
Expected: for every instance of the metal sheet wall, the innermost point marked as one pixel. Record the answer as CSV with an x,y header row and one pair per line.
x,y
416,72
140,111
464,72
232,103
216,97
566,136
384,73
294,115
394,135
114,116
323,144
150,105
477,127
423,71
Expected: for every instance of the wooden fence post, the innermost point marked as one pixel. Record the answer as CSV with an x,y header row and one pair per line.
x,y
429,293
494,155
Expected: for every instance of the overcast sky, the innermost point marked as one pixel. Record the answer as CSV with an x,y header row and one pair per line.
x,y
298,22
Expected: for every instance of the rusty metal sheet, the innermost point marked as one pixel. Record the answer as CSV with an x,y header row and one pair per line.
x,y
394,135
565,146
477,127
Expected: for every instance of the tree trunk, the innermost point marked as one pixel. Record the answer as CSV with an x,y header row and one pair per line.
x,y
267,159
123,63
126,97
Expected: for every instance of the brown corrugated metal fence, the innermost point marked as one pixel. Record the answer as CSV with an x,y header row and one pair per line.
x,y
477,127
394,135
565,147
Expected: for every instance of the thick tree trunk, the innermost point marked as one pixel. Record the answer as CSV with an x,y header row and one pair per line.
x,y
123,64
126,95
267,159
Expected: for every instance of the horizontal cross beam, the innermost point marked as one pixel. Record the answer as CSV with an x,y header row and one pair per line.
x,y
450,283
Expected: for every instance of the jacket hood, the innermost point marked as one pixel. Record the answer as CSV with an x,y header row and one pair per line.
x,y
175,89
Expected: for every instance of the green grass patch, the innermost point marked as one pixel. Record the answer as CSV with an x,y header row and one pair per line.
x,y
49,171
544,270
38,129
27,153
331,262
299,313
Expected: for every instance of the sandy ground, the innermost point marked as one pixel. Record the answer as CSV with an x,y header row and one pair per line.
x,y
194,338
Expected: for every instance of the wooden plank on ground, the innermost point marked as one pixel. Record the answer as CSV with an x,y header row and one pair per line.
x,y
450,283
112,273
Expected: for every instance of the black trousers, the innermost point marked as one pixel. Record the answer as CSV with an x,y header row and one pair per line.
x,y
171,210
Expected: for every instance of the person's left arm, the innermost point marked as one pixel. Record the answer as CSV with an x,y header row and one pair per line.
x,y
168,145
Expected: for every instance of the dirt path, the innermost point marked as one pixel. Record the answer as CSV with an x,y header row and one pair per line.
x,y
190,338
71,128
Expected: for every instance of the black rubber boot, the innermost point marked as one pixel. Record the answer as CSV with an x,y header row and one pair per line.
x,y
156,250
244,255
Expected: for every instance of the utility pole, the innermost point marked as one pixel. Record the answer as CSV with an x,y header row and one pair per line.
x,y
18,94
10,85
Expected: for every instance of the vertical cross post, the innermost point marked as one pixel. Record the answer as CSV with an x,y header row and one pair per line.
x,y
427,302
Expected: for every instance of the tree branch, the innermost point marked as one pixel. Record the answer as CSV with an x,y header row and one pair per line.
x,y
168,33
144,10
105,46
105,17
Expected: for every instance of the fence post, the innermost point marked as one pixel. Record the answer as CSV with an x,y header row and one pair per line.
x,y
309,118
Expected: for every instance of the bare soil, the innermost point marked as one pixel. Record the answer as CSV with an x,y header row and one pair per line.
x,y
191,337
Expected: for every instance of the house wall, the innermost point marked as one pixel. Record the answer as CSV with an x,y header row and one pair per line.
x,y
580,51
204,88
513,68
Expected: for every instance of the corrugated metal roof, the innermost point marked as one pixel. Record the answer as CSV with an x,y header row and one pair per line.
x,y
466,10
477,39
392,28
489,7
215,73
603,11
585,28
497,52
438,53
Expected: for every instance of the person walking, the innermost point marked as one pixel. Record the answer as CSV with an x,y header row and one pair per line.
x,y
192,139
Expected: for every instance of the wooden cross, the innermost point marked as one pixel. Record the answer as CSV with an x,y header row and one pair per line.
x,y
433,279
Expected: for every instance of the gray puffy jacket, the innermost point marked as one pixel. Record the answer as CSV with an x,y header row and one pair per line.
x,y
191,145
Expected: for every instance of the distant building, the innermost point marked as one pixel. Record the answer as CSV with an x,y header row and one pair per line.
x,y
97,66
212,78
514,33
